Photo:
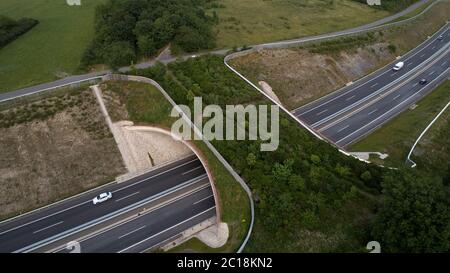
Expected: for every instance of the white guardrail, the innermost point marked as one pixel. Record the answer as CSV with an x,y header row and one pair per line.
x,y
408,159
303,41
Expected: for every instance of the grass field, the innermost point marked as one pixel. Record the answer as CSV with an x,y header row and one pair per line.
x,y
53,49
247,22
397,137
50,49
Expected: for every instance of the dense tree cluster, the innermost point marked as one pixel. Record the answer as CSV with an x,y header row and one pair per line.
x,y
127,29
415,216
11,29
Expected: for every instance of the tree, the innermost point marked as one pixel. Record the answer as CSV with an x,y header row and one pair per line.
x,y
189,39
366,176
118,54
415,216
146,45
446,179
251,159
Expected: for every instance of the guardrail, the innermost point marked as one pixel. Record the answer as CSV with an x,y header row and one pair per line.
x,y
313,39
408,158
208,144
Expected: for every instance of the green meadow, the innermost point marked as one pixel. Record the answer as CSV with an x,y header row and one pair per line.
x,y
50,50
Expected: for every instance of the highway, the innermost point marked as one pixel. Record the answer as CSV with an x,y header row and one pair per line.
x,y
347,115
161,198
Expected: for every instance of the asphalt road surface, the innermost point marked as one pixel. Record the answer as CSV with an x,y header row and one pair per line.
x,y
75,215
153,228
350,113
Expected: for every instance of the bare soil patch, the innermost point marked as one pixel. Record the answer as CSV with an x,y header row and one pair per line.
x,y
65,149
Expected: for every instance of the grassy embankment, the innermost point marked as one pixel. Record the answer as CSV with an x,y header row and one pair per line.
x,y
249,22
397,137
50,50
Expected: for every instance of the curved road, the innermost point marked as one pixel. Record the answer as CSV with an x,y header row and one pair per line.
x,y
78,78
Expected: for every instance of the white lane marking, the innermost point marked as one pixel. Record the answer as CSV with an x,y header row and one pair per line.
x,y
192,170
203,199
42,229
367,82
342,129
409,64
386,113
371,112
114,226
128,196
373,85
161,232
350,98
320,113
393,74
396,97
444,63
433,47
107,217
414,85
431,73
89,201
422,55
45,217
156,175
131,232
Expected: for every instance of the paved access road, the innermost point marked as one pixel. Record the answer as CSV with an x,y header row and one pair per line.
x,y
78,215
350,113
79,78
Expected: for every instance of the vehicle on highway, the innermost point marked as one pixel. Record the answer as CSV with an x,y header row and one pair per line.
x,y
102,198
398,66
423,81
440,38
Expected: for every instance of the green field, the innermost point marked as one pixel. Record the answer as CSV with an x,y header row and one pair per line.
x,y
247,22
397,136
52,48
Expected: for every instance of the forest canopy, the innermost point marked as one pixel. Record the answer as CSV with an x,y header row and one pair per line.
x,y
128,29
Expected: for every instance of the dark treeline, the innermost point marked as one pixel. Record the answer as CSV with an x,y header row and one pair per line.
x,y
11,29
392,5
128,29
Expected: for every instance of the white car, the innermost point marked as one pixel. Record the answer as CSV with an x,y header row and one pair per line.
x,y
398,66
102,198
